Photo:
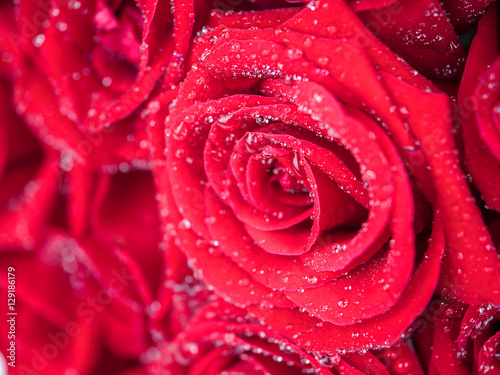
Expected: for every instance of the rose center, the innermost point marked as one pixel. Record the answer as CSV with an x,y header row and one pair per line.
x,y
288,182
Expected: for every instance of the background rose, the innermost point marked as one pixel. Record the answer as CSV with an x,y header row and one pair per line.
x,y
479,98
221,337
463,14
421,33
28,179
219,131
83,68
47,310
462,339
46,189
119,230
59,322
100,287
80,202
104,57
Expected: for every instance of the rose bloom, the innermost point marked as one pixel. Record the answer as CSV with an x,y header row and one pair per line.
x,y
81,305
306,170
461,339
81,255
311,177
28,179
479,98
221,338
60,322
83,68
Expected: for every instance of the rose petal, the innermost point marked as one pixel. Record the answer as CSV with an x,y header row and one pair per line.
x,y
471,259
325,337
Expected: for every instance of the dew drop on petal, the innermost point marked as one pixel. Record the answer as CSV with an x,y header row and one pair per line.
x,y
343,302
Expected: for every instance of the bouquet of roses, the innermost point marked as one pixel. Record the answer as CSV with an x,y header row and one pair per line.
x,y
250,187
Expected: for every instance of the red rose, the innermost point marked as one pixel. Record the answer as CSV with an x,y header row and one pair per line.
x,y
462,340
51,335
222,338
479,98
105,57
421,33
37,186
74,313
464,13
112,216
115,219
156,157
289,197
83,68
28,178
56,331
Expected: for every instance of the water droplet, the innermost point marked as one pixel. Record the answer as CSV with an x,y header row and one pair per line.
x,y
323,61
294,53
266,305
235,46
332,30
312,280
107,81
184,224
404,110
38,40
343,302
243,282
330,360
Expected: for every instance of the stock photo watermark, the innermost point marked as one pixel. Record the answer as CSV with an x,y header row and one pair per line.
x,y
57,341
11,316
